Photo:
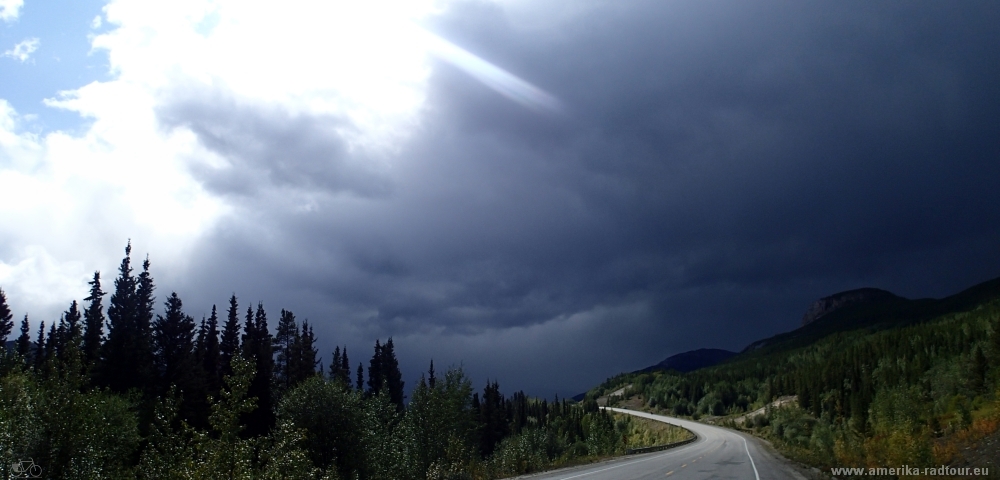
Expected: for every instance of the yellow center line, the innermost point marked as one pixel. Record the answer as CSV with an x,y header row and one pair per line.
x,y
682,466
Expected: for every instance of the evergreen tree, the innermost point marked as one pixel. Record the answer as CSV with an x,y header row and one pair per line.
x,y
361,377
493,424
176,365
375,376
93,316
980,366
258,347
74,329
126,361
431,380
51,347
335,370
345,367
286,340
393,377
145,305
24,341
70,339
249,346
230,344
305,354
40,348
6,318
210,358
173,335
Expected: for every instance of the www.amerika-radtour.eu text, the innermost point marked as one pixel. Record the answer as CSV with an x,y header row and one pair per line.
x,y
908,470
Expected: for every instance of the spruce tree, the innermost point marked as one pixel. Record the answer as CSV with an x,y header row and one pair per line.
x,y
306,353
173,335
345,367
431,379
24,341
393,377
249,346
375,376
126,361
361,377
335,370
145,305
229,346
980,366
6,318
174,353
286,339
71,337
258,346
211,355
52,343
93,322
40,348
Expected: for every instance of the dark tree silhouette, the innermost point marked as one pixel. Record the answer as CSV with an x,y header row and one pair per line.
x,y
173,335
210,355
230,343
6,318
127,355
93,323
361,377
305,354
258,347
40,348
376,379
24,341
286,341
393,377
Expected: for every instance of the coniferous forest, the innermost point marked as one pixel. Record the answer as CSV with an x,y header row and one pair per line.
x,y
910,388
127,385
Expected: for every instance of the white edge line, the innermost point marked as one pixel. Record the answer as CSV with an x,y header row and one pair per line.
x,y
751,458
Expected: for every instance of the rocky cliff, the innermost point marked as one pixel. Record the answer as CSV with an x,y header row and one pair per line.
x,y
837,301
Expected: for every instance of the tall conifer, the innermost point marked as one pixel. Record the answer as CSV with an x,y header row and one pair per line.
x,y
127,355
230,343
93,323
24,341
39,359
6,318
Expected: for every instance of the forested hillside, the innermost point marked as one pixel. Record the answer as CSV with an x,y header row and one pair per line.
x,y
909,392
141,392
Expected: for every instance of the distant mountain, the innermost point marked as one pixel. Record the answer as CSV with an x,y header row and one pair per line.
x,y
827,305
873,309
690,361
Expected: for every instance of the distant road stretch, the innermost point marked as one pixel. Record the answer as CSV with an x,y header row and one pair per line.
x,y
718,453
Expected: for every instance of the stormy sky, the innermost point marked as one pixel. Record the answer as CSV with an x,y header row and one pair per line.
x,y
546,193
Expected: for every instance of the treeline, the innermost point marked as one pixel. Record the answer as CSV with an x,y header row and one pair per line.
x,y
895,396
159,395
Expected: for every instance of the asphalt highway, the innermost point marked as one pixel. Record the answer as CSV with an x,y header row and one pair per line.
x,y
718,453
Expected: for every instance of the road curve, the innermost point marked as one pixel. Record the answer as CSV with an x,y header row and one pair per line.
x,y
718,453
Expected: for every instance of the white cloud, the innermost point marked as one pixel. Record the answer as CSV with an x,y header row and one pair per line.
x,y
23,50
96,22
70,200
10,9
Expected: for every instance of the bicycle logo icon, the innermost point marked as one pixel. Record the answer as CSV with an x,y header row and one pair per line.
x,y
26,469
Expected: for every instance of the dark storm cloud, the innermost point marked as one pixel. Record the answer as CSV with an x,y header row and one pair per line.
x,y
719,166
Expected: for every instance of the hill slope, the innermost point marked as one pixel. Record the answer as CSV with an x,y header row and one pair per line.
x,y
873,309
690,361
